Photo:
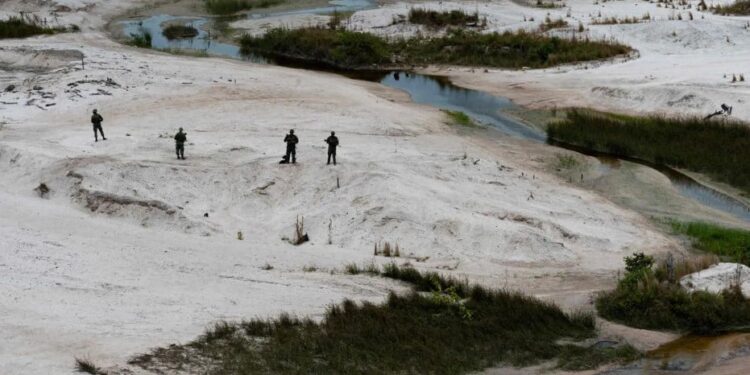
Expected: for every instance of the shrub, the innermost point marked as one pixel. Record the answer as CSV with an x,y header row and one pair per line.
x,y
432,18
718,149
140,40
644,300
180,31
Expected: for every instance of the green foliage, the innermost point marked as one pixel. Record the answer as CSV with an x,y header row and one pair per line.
x,y
413,333
179,31
348,49
225,7
638,262
549,24
141,40
505,50
88,367
644,300
566,161
333,47
23,27
437,19
731,243
738,8
719,149
460,118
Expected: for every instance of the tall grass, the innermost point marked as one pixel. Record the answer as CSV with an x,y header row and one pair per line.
x,y
648,299
733,244
456,328
738,8
435,19
718,149
23,27
347,49
141,40
225,7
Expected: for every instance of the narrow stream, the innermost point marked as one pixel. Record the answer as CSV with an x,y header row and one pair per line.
x,y
429,90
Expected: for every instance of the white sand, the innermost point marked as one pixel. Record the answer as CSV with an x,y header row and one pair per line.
x,y
120,257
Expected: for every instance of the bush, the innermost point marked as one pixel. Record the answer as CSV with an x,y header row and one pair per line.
x,y
348,49
437,19
718,149
225,7
643,300
179,32
141,40
333,47
455,328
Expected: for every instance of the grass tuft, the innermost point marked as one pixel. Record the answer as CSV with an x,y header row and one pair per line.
x,y
460,118
718,149
88,367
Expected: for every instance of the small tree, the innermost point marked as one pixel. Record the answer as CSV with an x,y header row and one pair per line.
x,y
638,262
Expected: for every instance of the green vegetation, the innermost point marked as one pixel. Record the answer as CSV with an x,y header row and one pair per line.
x,y
224,7
23,27
141,40
86,366
435,19
738,8
453,328
653,299
351,50
179,32
718,149
733,244
566,161
332,47
549,24
460,118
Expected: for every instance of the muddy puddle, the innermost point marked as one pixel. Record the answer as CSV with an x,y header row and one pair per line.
x,y
690,355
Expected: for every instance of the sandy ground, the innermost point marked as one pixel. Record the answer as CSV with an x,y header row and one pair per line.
x,y
121,257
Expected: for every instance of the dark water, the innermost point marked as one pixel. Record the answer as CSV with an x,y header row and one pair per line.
x,y
434,91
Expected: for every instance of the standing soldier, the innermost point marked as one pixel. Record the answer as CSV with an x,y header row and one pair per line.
x,y
96,120
179,140
291,148
333,142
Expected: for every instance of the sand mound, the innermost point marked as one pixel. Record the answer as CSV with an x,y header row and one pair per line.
x,y
719,277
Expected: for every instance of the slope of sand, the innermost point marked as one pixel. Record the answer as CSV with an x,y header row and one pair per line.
x,y
120,256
